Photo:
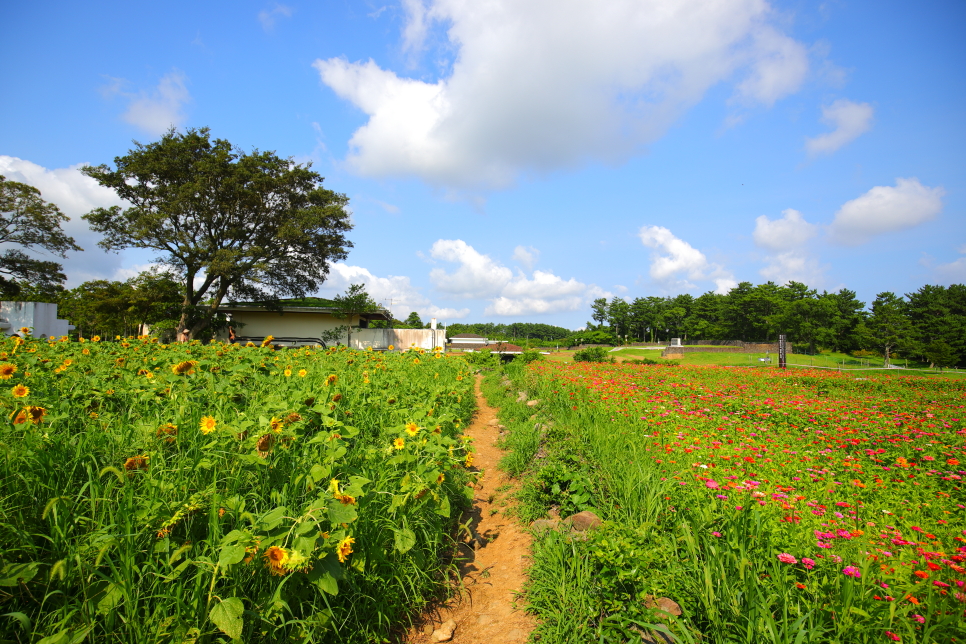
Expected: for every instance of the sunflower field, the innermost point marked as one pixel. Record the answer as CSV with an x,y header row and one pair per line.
x,y
189,493
781,506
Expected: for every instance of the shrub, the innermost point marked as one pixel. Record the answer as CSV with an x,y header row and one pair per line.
x,y
528,356
593,354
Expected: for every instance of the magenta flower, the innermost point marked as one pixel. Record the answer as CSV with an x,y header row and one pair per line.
x,y
787,558
715,534
808,563
892,636
919,618
711,483
851,571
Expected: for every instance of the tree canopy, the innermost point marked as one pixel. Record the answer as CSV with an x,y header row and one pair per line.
x,y
26,220
355,301
252,226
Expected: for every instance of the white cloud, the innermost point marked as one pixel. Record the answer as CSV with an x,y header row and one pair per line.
x,y
885,209
479,276
540,86
681,262
395,292
848,119
791,231
526,256
778,67
76,195
954,271
268,17
786,238
157,110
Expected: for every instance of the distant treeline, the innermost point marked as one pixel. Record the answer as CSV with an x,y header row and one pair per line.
x,y
928,325
516,330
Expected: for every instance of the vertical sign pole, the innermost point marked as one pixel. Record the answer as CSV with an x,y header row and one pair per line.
x,y
781,352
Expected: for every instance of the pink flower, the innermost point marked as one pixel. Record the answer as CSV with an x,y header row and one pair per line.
x,y
711,483
919,618
823,544
892,636
787,558
808,563
851,571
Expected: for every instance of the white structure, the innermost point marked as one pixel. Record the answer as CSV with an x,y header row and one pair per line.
x,y
675,342
39,317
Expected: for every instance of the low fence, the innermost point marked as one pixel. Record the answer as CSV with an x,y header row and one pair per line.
x,y
745,347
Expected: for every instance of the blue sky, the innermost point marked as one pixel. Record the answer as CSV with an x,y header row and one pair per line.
x,y
511,160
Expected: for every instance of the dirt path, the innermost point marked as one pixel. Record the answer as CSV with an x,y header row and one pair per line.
x,y
487,609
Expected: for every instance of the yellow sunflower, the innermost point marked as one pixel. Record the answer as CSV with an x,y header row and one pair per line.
x,y
344,548
208,424
7,370
412,429
21,391
275,559
399,443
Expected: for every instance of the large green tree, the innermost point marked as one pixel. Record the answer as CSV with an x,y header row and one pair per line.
x,y
31,223
250,226
889,325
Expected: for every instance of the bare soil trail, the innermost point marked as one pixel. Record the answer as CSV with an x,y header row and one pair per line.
x,y
486,610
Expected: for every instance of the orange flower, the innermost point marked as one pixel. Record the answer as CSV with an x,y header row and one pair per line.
x,y
922,574
952,462
912,599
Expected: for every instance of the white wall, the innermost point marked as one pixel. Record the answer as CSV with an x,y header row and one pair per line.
x,y
40,317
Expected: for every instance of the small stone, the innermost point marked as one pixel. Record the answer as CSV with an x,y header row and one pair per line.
x,y
522,396
428,629
583,521
493,422
665,604
543,525
445,632
533,403
502,428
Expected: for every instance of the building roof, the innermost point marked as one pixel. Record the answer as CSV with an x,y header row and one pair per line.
x,y
303,305
504,347
467,335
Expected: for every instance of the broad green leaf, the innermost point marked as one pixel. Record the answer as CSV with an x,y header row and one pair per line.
x,y
443,509
273,518
13,574
231,555
227,616
404,539
339,513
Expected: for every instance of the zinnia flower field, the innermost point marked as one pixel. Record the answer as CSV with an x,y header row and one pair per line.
x,y
189,493
771,505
